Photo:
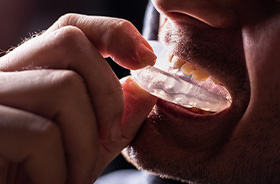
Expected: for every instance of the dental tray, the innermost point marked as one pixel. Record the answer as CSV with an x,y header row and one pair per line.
x,y
158,82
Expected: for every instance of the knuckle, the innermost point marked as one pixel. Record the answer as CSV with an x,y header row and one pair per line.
x,y
67,19
120,26
68,43
124,24
48,135
65,41
69,36
68,80
70,86
51,133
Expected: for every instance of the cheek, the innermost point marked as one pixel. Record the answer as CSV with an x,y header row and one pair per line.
x,y
262,52
258,130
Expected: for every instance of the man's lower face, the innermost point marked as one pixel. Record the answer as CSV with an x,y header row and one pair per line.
x,y
231,146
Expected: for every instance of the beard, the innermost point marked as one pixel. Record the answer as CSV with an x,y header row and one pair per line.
x,y
218,52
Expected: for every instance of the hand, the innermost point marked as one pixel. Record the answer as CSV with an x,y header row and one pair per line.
x,y
72,109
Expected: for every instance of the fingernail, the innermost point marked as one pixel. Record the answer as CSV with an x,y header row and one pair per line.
x,y
146,55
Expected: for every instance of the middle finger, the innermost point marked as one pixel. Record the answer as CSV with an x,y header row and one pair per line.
x,y
69,48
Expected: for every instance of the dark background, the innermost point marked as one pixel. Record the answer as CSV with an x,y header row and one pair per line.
x,y
20,19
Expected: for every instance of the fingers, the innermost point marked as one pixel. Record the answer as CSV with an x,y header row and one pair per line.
x,y
26,139
138,104
71,44
69,48
79,43
113,37
61,96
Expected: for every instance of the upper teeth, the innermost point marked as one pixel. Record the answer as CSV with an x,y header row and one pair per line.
x,y
188,68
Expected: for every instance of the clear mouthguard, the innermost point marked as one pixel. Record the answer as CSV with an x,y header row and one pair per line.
x,y
157,81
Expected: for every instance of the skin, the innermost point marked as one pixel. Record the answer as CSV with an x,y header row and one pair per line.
x,y
53,89
237,42
48,85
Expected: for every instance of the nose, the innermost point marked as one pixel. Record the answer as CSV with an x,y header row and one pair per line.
x,y
215,13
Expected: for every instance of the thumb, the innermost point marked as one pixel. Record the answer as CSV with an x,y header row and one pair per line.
x,y
138,104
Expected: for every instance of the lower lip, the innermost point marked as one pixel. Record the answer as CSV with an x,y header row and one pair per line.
x,y
178,112
179,126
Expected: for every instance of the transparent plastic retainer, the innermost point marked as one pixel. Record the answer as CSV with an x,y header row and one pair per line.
x,y
158,82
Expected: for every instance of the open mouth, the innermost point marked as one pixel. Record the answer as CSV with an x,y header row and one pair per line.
x,y
177,81
194,75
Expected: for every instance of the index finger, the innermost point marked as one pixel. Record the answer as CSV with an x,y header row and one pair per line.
x,y
113,37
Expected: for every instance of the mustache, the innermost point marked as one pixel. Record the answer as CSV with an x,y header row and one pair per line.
x,y
191,42
201,45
